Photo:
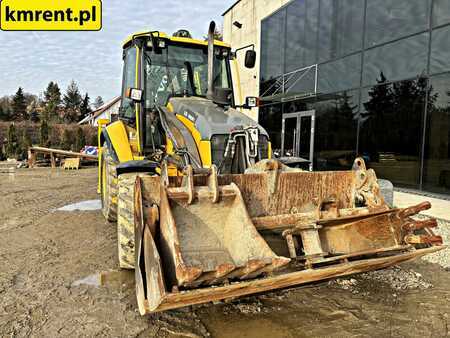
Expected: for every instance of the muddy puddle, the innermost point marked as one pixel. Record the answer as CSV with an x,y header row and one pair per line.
x,y
113,280
360,306
91,205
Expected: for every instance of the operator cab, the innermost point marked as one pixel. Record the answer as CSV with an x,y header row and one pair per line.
x,y
165,75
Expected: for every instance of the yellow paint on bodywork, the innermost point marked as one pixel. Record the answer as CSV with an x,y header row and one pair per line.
x,y
117,134
238,81
175,39
204,147
205,153
138,106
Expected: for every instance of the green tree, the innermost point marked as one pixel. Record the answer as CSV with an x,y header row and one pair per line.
x,y
80,139
5,105
379,111
72,102
12,145
52,101
19,105
98,102
44,133
52,93
85,108
24,144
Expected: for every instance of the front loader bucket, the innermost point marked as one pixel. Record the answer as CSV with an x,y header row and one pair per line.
x,y
207,237
206,241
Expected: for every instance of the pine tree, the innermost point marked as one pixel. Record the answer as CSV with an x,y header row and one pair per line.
x,y
19,106
12,143
98,102
379,111
5,104
24,144
44,133
72,102
85,108
52,101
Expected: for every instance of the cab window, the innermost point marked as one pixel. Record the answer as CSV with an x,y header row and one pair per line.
x,y
129,81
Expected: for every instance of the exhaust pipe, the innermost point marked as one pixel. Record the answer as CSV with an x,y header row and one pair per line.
x,y
210,92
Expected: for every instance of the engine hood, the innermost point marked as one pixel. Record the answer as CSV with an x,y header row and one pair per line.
x,y
211,119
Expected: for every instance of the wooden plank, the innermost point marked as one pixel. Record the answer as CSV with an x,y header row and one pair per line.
x,y
61,152
186,298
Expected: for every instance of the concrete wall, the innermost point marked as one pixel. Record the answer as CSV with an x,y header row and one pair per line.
x,y
249,13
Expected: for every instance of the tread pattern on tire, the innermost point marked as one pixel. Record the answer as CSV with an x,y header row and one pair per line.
x,y
125,220
109,204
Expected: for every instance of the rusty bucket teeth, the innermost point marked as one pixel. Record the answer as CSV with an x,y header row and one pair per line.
x,y
423,239
418,225
209,277
414,210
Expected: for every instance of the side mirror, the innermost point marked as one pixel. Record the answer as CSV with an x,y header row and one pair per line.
x,y
250,59
134,94
251,102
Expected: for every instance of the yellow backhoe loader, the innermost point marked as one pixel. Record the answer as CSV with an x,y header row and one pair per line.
x,y
204,213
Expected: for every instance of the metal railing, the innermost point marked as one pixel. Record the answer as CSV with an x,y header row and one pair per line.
x,y
284,83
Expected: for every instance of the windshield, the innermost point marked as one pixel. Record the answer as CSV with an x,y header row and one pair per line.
x,y
180,70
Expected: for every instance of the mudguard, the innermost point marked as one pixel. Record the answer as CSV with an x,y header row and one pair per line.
x,y
116,139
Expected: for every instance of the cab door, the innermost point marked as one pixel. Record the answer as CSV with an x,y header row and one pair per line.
x,y
127,107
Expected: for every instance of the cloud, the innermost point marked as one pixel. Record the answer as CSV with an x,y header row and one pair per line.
x,y
94,59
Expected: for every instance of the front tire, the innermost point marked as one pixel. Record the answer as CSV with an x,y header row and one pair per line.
x,y
125,221
109,188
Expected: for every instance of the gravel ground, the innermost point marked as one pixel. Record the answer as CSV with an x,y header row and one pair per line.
x,y
442,257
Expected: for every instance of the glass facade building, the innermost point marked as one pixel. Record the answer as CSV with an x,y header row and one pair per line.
x,y
375,74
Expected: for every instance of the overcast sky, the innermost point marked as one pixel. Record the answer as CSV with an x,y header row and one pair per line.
x,y
94,59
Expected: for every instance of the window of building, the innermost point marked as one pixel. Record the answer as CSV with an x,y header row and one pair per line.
x,y
391,129
272,45
441,12
398,60
341,28
340,75
437,141
336,130
270,118
440,50
388,20
301,34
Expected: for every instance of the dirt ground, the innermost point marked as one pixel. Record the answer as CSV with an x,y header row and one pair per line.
x,y
45,252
